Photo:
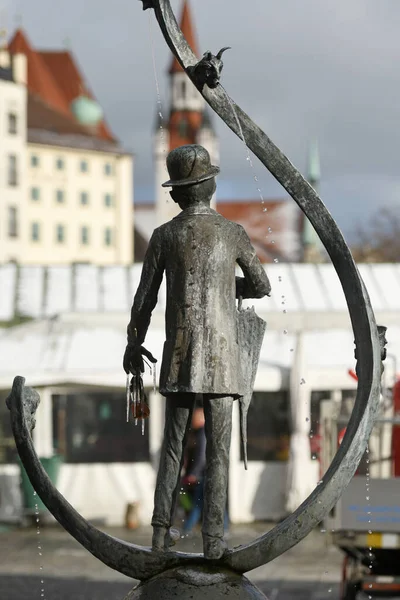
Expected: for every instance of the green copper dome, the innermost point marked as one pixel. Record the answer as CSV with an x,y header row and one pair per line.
x,y
86,111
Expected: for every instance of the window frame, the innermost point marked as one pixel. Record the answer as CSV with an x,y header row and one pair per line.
x,y
35,197
62,192
84,239
35,226
12,170
85,195
60,239
12,222
12,123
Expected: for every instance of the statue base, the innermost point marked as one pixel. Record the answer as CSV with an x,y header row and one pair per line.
x,y
197,583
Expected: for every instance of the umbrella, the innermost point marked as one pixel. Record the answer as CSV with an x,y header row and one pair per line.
x,y
251,330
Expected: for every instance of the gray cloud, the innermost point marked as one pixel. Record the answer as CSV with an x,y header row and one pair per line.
x,y
302,70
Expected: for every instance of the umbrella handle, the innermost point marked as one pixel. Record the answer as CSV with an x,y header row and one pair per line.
x,y
240,301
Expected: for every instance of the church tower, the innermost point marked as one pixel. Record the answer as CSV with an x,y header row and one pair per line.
x,y
189,123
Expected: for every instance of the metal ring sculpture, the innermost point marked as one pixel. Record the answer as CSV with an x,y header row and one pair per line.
x,y
139,562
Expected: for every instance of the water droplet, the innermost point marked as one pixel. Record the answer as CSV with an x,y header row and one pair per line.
x,y
367,497
248,158
284,310
307,419
302,381
291,349
285,331
276,260
265,209
35,493
270,231
329,590
273,242
279,278
320,482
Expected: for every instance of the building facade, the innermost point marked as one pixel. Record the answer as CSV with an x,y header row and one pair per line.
x,y
69,181
13,132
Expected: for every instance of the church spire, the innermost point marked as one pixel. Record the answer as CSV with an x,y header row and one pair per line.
x,y
186,25
314,168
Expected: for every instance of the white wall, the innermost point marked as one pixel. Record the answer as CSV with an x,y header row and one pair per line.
x,y
72,214
12,100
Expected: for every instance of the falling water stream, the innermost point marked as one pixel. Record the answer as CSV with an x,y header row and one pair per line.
x,y
39,547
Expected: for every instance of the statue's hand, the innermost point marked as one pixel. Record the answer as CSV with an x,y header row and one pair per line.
x,y
133,359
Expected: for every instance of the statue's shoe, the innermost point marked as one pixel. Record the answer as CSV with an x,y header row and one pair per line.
x,y
164,538
214,547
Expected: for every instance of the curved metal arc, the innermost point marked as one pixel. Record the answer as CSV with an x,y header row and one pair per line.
x,y
318,504
134,561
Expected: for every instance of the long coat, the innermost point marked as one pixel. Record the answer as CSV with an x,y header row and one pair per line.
x,y
198,250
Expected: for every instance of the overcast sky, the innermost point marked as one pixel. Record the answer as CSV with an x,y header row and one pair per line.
x,y
302,69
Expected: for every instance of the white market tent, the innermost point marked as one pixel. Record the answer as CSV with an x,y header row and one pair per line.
x,y
77,337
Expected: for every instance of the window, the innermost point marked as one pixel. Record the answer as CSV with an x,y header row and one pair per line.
x,y
84,198
108,200
107,169
83,166
35,232
60,164
12,170
84,235
34,160
183,89
87,429
60,196
108,236
268,427
60,234
12,221
35,193
12,123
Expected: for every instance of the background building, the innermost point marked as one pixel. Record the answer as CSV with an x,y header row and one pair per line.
x,y
71,190
277,227
13,132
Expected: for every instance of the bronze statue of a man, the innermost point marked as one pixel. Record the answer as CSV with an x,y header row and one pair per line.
x,y
198,250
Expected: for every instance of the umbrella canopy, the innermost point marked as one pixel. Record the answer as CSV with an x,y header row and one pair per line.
x,y
251,330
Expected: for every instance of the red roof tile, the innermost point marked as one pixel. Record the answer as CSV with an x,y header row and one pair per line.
x,y
43,116
186,25
268,229
66,73
40,80
55,78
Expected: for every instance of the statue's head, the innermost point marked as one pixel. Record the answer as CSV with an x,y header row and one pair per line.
x,y
192,176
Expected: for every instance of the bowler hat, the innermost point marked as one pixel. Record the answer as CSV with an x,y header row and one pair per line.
x,y
188,165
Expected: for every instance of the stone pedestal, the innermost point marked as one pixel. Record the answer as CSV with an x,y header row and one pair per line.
x,y
196,583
